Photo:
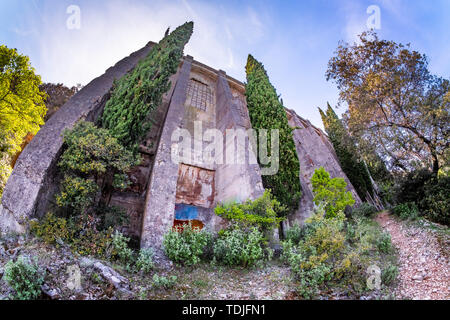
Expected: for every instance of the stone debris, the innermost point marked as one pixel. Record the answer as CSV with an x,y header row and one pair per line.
x,y
424,271
110,275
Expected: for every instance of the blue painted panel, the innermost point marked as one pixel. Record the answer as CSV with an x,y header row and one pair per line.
x,y
185,212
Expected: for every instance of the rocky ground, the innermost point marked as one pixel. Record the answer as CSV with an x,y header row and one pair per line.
x,y
423,250
423,264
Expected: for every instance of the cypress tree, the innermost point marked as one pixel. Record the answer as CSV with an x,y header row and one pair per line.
x,y
127,113
267,112
347,153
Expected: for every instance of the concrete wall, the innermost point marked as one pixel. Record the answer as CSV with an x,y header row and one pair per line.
x,y
160,200
234,182
314,150
160,182
33,182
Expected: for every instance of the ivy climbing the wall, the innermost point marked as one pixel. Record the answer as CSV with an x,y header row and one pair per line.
x,y
347,153
140,92
267,112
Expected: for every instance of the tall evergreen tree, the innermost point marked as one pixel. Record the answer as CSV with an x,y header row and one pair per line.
x,y
347,153
140,92
267,112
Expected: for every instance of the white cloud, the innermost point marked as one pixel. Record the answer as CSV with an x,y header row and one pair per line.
x,y
115,29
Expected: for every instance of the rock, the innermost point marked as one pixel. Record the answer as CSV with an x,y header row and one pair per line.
x,y
53,294
417,277
111,275
86,262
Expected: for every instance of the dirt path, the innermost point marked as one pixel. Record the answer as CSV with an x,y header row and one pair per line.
x,y
424,271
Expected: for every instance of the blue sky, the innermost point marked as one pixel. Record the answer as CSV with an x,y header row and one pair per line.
x,y
294,39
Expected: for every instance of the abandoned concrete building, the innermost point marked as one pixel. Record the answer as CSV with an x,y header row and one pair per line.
x,y
164,193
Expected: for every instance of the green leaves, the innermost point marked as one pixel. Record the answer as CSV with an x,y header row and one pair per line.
x,y
22,108
186,245
330,192
92,155
140,92
347,153
267,112
262,212
396,106
25,278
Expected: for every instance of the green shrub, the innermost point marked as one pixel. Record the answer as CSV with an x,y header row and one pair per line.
x,y
77,194
435,203
316,258
406,211
334,251
389,274
145,262
77,232
91,156
88,241
121,251
111,216
164,282
240,247
364,210
295,233
410,188
330,192
51,229
185,245
262,212
430,193
25,278
384,243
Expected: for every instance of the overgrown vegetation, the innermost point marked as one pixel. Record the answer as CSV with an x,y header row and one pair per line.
x,y
241,247
330,193
25,277
83,238
365,209
336,252
127,113
332,250
263,212
423,193
22,107
92,161
407,210
347,153
267,112
163,281
185,245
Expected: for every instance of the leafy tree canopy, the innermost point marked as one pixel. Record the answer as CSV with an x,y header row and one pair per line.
x,y
330,193
22,108
395,104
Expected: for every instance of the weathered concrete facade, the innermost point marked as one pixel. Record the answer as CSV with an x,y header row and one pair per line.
x,y
34,180
314,150
189,190
205,104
